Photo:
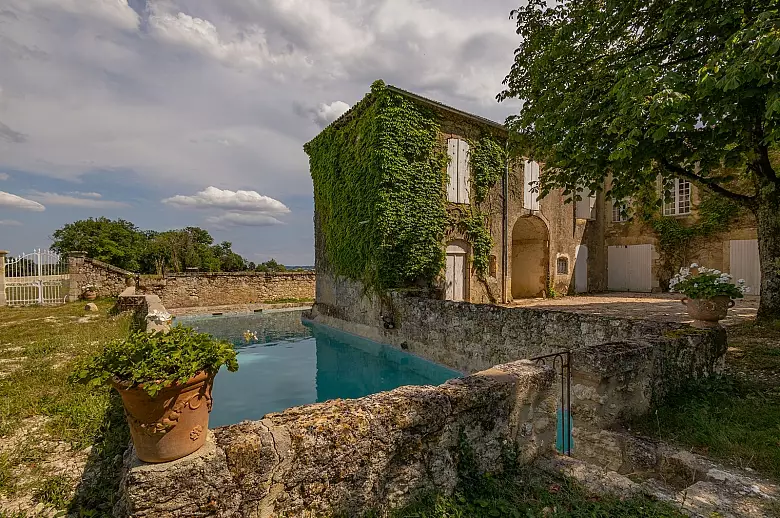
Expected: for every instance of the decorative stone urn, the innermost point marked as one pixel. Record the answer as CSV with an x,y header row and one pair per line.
x,y
173,423
707,312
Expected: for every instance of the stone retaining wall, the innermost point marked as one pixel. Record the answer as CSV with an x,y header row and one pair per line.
x,y
346,457
620,366
228,288
107,280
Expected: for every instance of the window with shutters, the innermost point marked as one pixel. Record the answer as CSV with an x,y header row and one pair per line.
x,y
619,211
531,185
585,208
458,173
678,203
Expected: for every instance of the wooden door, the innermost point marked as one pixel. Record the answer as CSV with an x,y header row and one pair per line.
x,y
744,263
581,269
456,272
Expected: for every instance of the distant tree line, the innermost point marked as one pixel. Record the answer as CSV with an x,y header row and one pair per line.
x,y
121,243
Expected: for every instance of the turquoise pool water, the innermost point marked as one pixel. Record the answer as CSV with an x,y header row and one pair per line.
x,y
284,363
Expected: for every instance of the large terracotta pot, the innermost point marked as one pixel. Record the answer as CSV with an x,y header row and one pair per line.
x,y
90,295
707,312
172,424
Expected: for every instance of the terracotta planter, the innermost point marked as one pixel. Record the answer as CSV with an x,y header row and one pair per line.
x,y
707,312
172,424
89,295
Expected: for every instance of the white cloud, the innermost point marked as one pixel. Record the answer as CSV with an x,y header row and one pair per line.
x,y
10,223
12,201
242,219
214,198
68,200
86,194
4,176
324,113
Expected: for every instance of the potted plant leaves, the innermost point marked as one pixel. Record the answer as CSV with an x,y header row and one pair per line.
x,y
708,294
165,381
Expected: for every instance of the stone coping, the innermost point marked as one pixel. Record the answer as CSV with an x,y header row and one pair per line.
x,y
347,457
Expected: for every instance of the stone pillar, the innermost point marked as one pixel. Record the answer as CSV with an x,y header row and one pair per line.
x,y
3,301
76,277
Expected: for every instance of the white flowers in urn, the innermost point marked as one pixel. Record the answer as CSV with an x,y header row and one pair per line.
x,y
709,293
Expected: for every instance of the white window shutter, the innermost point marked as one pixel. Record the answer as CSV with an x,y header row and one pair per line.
x,y
585,206
452,170
531,180
464,174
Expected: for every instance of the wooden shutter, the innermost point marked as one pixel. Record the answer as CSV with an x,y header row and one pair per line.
x,y
744,263
581,269
452,170
530,179
584,207
464,175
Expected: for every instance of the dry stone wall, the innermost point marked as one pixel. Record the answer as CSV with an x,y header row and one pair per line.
x,y
107,280
346,457
227,288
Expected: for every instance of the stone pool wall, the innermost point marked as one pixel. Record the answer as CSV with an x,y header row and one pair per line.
x,y
352,456
620,366
228,288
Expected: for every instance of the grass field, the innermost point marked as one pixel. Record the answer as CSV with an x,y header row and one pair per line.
x,y
52,431
735,418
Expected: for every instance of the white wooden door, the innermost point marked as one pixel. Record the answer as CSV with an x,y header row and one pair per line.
x,y
456,272
581,269
743,258
629,268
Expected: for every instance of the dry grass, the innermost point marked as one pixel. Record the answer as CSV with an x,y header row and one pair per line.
x,y
55,435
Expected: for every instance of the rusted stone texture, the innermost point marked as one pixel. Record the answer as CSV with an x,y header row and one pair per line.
x,y
350,456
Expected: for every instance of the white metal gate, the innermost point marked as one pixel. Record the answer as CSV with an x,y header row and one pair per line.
x,y
744,263
39,277
629,268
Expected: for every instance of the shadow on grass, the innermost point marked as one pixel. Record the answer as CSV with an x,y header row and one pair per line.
x,y
97,490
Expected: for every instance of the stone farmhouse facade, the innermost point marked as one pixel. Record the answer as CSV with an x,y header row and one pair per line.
x,y
545,245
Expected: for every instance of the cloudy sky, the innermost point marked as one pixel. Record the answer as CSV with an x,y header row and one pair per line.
x,y
194,112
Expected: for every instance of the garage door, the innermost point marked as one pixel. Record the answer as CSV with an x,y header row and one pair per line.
x,y
743,258
629,268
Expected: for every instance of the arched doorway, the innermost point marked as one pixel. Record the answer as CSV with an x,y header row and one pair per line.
x,y
530,257
455,273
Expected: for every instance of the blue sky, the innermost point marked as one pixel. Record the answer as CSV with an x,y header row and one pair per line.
x,y
194,112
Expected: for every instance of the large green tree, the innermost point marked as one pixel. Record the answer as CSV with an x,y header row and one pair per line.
x,y
117,242
638,89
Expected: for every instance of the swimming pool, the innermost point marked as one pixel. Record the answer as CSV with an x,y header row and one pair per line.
x,y
284,363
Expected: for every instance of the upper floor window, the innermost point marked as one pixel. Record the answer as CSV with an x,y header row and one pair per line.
x,y
531,185
619,211
458,173
585,208
679,202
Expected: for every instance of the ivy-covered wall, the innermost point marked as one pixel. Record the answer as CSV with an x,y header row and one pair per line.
x,y
379,180
379,176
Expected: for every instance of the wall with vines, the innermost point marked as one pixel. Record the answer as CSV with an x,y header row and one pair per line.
x,y
379,176
679,239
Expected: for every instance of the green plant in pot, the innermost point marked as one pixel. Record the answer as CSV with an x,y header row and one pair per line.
x,y
708,294
165,381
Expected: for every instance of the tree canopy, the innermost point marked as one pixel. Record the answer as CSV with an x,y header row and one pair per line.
x,y
120,243
641,89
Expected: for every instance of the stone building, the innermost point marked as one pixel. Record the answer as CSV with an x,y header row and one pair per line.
x,y
538,246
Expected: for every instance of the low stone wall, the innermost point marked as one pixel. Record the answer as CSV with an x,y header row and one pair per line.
x,y
620,367
107,280
228,288
352,456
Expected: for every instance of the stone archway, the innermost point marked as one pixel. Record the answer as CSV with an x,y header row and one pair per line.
x,y
530,257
